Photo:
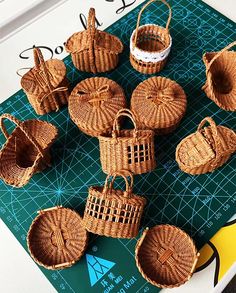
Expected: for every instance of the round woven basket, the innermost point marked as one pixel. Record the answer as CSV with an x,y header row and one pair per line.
x,y
150,44
166,256
113,212
46,85
93,105
93,50
57,238
26,150
220,84
158,103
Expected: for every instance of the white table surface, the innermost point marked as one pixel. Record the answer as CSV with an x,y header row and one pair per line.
x,y
18,272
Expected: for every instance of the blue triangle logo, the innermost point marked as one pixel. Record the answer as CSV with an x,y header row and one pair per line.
x,y
97,267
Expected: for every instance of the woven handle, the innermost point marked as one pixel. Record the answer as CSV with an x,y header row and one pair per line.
x,y
116,126
103,93
91,29
140,14
160,96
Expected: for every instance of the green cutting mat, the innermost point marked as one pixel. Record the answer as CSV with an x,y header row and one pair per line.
x,y
198,204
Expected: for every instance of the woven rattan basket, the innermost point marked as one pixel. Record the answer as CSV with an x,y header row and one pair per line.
x,y
93,105
26,150
158,103
131,150
57,238
112,212
150,44
220,84
207,149
46,85
166,256
93,50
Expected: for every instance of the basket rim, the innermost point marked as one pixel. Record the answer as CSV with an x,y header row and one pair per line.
x,y
145,133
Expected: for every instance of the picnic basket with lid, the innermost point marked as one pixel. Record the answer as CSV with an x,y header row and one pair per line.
x,y
113,212
166,256
45,84
158,103
220,84
93,105
26,150
207,149
57,238
93,50
150,44
130,149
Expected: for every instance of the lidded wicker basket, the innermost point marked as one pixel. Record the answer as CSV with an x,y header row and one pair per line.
x,y
26,150
93,50
166,256
46,85
220,84
112,212
131,150
150,44
93,105
57,238
159,104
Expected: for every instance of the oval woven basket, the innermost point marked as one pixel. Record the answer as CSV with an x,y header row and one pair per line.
x,y
113,212
46,85
93,105
158,103
166,256
220,84
131,150
150,44
26,150
93,50
207,149
57,238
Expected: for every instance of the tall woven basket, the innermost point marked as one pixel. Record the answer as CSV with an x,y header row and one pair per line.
x,y
150,44
26,150
220,84
113,212
93,50
131,150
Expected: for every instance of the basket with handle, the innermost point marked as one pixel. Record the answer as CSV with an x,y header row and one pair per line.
x,y
130,149
220,84
45,84
26,150
93,50
150,44
113,212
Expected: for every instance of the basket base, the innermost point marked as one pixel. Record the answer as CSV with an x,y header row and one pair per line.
x,y
147,67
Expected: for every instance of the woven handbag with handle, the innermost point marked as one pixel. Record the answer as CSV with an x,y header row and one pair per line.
x,y
113,212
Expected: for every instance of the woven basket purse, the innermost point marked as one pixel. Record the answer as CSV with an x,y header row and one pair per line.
x,y
26,150
93,50
150,44
93,105
220,84
158,103
112,212
46,85
131,150
166,256
57,238
207,149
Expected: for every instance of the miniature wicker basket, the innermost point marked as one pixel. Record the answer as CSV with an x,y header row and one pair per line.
x,y
26,150
150,44
93,50
46,85
207,149
57,238
112,212
220,84
131,150
93,105
158,103
166,256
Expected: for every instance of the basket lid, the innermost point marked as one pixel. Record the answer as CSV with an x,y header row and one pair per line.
x,y
158,102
